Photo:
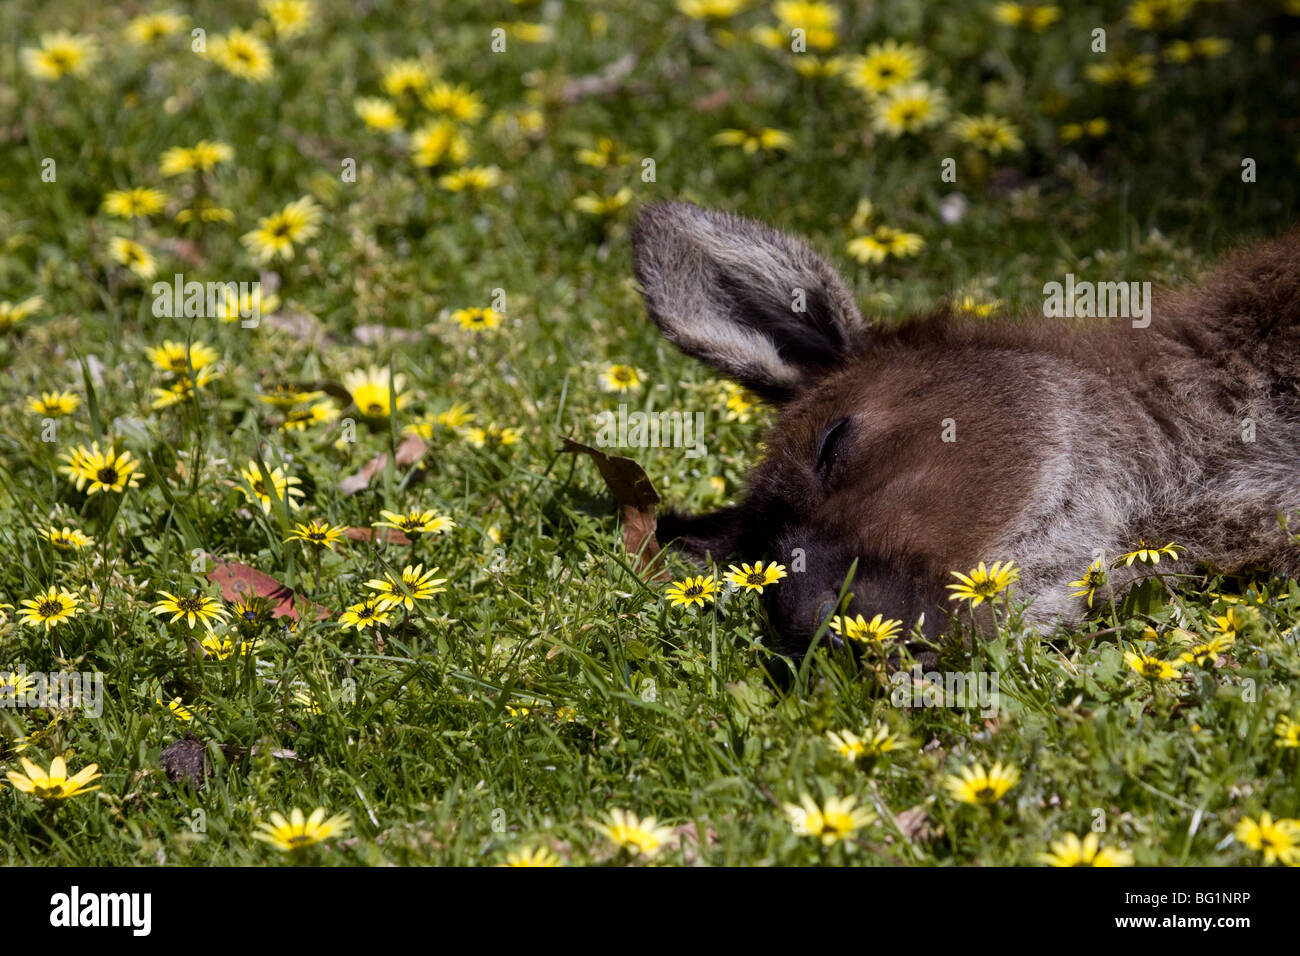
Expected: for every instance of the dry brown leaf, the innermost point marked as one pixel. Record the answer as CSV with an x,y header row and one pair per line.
x,y
382,535
636,498
712,101
410,451
915,823
608,79
238,580
374,334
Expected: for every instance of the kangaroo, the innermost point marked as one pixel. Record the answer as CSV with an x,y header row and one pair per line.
x,y
951,440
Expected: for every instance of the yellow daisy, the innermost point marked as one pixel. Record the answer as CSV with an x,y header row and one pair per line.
x,y
1287,732
982,787
290,18
711,9
193,607
1093,578
989,133
371,391
174,357
698,591
437,142
1133,71
319,533
182,389
129,253
378,114
54,404
60,54
149,28
752,140
755,577
606,153
202,157
67,538
11,313
1208,652
640,837
879,740
416,521
983,583
817,20
1030,16
883,242
415,584
884,66
49,609
405,76
620,378
492,436
276,234
93,470
54,784
242,54
457,103
909,108
1071,851
283,487
177,709
837,819
365,613
471,179
1152,668
1149,555
603,206
540,856
134,203
878,629
1278,840
477,319
297,833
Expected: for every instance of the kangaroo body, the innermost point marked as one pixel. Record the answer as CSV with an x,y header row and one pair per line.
x,y
952,440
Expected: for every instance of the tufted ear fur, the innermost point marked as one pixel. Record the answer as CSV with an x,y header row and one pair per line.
x,y
754,303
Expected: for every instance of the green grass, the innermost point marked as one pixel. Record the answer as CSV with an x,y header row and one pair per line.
x,y
683,715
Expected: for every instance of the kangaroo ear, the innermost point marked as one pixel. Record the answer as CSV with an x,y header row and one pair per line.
x,y
756,304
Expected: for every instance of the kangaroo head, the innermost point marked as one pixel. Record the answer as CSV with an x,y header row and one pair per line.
x,y
857,469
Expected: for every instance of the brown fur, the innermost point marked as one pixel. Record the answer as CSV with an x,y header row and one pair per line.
x,y
1074,437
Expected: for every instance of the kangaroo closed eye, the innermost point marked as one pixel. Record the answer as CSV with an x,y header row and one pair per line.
x,y
829,448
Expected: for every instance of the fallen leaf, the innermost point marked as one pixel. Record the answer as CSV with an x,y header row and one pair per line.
x,y
711,101
296,325
608,79
636,498
374,333
410,451
915,823
239,580
384,535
